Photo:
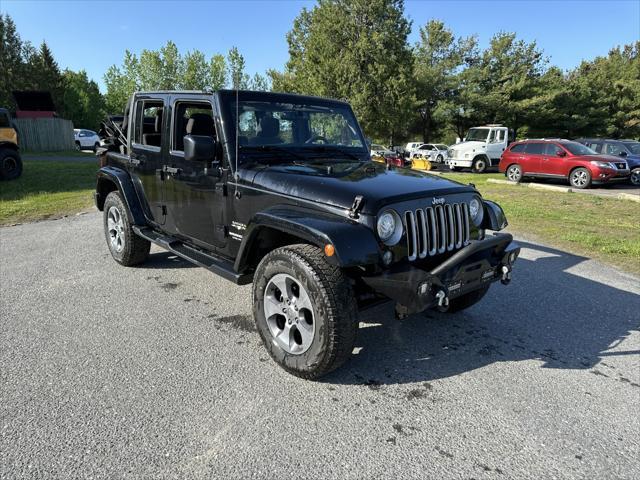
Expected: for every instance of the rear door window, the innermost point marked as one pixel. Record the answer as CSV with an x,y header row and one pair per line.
x,y
148,124
535,148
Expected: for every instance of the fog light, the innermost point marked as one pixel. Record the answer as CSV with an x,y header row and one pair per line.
x,y
387,257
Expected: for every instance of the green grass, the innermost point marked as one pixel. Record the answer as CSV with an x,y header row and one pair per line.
x,y
595,227
67,153
47,189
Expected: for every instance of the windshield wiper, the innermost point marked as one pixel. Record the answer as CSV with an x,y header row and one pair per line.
x,y
330,148
271,149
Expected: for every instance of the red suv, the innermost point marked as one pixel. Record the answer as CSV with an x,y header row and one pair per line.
x,y
561,159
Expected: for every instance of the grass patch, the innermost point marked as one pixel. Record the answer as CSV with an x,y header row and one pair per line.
x,y
595,227
47,189
67,153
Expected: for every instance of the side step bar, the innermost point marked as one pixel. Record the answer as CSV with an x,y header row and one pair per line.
x,y
214,264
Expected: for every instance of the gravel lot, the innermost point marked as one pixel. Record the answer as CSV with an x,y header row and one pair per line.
x,y
157,372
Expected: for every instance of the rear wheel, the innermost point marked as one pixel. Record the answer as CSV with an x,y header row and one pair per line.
x,y
580,178
304,311
467,300
480,165
10,164
439,159
126,247
78,146
514,173
635,177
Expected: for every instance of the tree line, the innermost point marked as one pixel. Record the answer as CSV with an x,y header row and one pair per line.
x,y
358,50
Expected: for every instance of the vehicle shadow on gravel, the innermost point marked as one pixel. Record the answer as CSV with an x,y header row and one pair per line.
x,y
547,313
163,260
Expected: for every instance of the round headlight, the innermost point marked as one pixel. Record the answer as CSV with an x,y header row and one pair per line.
x,y
389,227
476,211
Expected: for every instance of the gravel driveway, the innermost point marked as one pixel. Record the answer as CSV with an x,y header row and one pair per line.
x,y
157,372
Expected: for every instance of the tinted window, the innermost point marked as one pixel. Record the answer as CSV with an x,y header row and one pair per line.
x,y
4,120
535,148
551,149
519,148
613,148
577,148
596,147
426,147
633,147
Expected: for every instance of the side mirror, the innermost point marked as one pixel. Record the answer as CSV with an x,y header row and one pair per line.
x,y
199,148
561,153
623,154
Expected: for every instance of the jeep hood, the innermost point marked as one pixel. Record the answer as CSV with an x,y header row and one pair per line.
x,y
339,185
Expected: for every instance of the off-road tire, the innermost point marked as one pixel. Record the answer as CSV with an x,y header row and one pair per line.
x,y
514,173
577,178
10,164
335,313
635,177
135,249
467,300
480,165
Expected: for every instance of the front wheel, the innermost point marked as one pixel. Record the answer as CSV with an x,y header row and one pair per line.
x,y
78,147
635,177
304,311
95,147
10,164
480,165
125,246
467,300
514,173
580,178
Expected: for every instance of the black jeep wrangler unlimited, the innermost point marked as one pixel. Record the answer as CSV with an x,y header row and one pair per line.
x,y
279,190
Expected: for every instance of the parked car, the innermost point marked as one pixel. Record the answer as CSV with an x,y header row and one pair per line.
x,y
481,148
86,139
411,146
253,187
380,150
435,152
627,149
562,159
10,161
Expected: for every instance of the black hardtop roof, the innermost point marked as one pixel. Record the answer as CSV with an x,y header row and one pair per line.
x,y
246,94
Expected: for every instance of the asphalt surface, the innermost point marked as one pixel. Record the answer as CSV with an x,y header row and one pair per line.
x,y
157,372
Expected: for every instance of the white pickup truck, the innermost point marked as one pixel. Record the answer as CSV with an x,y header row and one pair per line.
x,y
481,148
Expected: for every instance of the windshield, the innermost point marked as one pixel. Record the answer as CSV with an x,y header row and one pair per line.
x,y
634,147
578,149
477,134
269,127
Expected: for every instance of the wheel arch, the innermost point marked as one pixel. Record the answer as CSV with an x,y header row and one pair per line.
x,y
111,179
10,146
354,244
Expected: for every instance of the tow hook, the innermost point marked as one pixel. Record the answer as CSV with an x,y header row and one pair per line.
x,y
443,299
506,275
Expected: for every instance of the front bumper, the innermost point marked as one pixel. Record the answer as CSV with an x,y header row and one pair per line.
x,y
457,162
470,268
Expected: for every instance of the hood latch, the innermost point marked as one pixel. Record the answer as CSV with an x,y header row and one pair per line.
x,y
358,202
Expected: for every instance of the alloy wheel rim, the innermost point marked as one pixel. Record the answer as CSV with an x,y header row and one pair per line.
x,y
635,177
115,228
289,314
580,178
514,173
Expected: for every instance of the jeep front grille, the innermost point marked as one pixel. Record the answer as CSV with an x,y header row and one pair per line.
x,y
436,230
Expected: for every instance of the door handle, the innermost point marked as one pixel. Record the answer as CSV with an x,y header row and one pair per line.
x,y
171,170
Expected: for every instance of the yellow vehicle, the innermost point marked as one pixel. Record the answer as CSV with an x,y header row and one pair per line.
x,y
421,163
10,161
378,158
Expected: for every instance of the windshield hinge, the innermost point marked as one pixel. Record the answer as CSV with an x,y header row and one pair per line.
x,y
356,207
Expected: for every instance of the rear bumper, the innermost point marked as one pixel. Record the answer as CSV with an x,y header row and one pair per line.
x,y
479,263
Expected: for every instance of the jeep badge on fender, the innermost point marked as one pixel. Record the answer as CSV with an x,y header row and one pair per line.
x,y
279,190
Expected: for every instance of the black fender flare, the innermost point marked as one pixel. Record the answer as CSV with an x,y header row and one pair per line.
x,y
355,244
494,217
109,177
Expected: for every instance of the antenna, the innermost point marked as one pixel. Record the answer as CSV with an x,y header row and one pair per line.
x,y
235,173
